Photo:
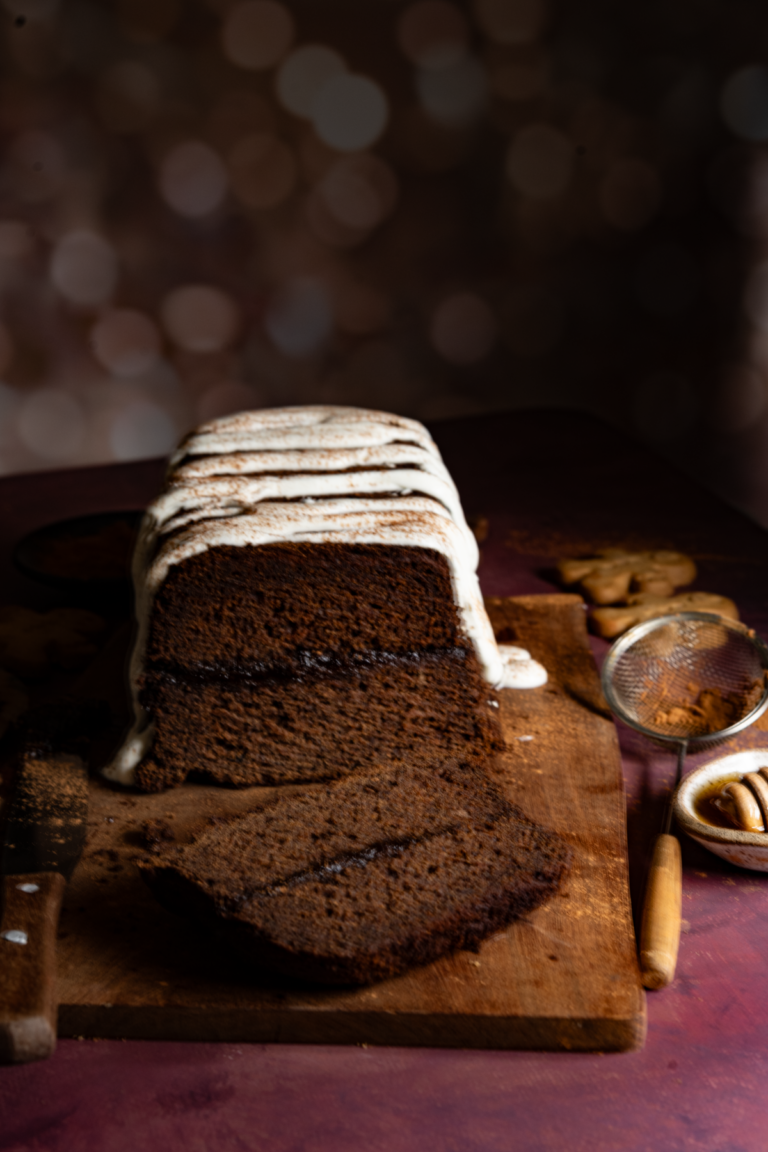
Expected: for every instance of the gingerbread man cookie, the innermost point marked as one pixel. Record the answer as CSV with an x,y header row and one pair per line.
x,y
611,622
614,574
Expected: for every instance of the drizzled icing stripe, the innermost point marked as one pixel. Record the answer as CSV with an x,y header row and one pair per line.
x,y
410,521
207,506
389,456
286,516
228,496
303,414
293,428
321,436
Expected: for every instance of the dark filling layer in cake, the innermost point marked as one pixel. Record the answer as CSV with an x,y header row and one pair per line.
x,y
304,662
265,604
291,728
358,880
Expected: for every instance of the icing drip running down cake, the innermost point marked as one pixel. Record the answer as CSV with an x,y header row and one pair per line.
x,y
308,607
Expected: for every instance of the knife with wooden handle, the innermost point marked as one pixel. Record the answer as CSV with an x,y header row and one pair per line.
x,y
43,837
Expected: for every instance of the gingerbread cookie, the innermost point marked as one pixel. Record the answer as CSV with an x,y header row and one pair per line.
x,y
614,574
32,643
611,622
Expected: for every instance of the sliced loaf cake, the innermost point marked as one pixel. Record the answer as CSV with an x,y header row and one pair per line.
x,y
307,606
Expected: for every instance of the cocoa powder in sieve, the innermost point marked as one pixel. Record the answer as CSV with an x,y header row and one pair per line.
x,y
710,711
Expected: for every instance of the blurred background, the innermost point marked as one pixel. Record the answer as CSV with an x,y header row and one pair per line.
x,y
435,207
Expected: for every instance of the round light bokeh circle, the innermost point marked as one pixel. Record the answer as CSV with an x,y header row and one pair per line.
x,y
16,240
350,112
127,96
744,103
200,318
299,318
360,191
326,228
237,113
433,33
140,430
263,170
51,423
84,268
303,74
256,34
193,180
463,328
125,342
224,398
361,309
456,94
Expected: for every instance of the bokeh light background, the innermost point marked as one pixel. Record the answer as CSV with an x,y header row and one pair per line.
x,y
430,206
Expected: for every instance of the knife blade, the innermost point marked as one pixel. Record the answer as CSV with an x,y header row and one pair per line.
x,y
43,836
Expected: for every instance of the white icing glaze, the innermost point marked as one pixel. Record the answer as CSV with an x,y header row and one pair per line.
x,y
519,670
311,460
303,414
234,498
223,496
135,746
295,428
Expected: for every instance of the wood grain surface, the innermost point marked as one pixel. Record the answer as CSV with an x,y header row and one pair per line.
x,y
563,977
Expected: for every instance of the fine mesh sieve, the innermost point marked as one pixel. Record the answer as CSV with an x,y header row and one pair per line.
x,y
688,679
692,678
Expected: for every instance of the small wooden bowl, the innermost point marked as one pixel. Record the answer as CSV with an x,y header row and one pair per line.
x,y
745,849
92,573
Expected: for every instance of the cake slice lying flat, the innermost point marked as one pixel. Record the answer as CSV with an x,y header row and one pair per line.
x,y
357,880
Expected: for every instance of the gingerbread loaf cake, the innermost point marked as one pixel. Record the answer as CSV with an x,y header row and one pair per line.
x,y
307,607
358,880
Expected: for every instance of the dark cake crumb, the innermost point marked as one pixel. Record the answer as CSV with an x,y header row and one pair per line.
x,y
155,834
293,662
295,730
360,879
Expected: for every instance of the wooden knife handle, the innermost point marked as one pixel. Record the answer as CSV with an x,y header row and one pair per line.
x,y
660,932
28,1004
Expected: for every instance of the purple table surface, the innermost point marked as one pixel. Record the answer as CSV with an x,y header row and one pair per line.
x,y
550,484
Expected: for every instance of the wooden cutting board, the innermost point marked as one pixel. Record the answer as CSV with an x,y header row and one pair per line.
x,y
563,977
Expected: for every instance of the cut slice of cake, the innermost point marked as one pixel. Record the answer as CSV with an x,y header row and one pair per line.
x,y
358,880
307,606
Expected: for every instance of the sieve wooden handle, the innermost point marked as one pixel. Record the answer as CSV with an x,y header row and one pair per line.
x,y
660,932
